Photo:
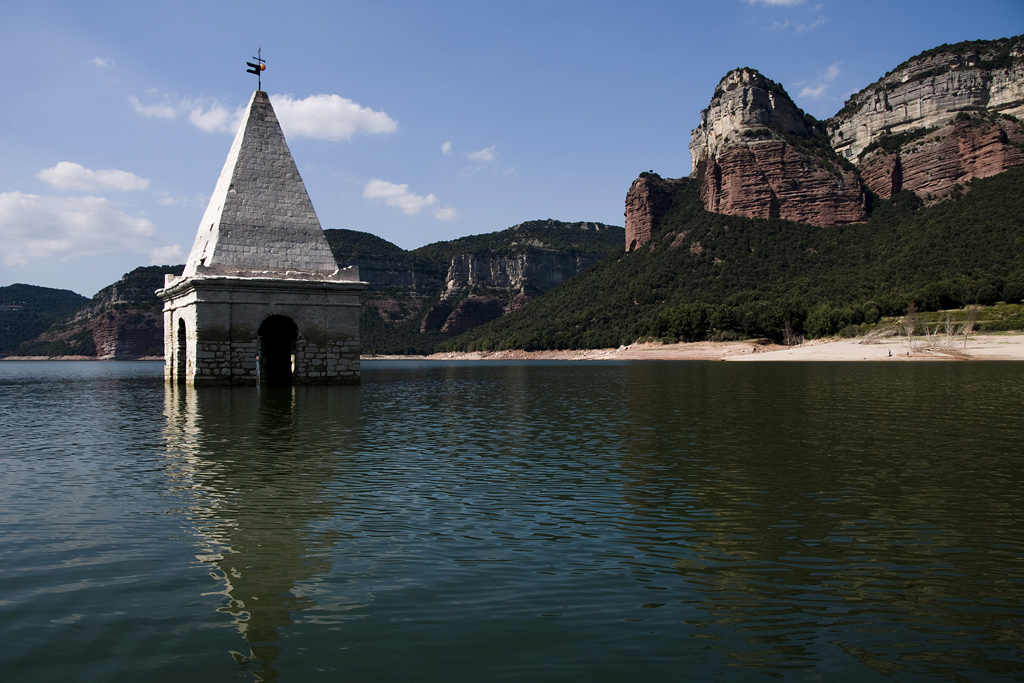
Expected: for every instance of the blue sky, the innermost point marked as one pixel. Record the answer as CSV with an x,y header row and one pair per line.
x,y
414,121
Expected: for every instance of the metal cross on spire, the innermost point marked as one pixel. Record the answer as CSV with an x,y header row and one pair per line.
x,y
258,68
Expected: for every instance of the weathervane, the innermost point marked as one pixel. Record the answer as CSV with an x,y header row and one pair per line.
x,y
258,68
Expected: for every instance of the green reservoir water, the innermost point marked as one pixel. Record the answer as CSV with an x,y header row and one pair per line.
x,y
513,522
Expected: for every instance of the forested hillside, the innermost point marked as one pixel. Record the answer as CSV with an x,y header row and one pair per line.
x,y
706,275
123,320
417,299
27,310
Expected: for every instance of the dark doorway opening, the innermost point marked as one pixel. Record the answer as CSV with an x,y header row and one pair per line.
x,y
181,353
276,341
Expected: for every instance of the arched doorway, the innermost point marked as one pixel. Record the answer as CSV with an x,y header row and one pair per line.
x,y
181,353
276,342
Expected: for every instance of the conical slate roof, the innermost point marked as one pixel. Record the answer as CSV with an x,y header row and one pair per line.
x,y
259,221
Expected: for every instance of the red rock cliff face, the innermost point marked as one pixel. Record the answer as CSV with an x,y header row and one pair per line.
x,y
125,337
649,197
955,154
471,312
775,179
937,121
754,154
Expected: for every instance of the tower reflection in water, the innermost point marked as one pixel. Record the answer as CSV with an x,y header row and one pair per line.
x,y
255,470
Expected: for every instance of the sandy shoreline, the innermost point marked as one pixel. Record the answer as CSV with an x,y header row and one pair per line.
x,y
979,347
1004,346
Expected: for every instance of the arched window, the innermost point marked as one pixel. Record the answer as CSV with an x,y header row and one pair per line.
x,y
181,352
276,342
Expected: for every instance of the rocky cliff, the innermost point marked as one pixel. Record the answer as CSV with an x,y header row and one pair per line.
x,y
122,321
649,197
930,89
446,288
933,163
758,155
937,121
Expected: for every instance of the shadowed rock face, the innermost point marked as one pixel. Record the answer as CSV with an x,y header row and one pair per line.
x,y
955,154
649,197
472,312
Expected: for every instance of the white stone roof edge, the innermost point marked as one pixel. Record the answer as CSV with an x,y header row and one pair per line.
x,y
216,206
175,285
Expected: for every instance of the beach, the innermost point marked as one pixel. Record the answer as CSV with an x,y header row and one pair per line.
x,y
995,346
998,346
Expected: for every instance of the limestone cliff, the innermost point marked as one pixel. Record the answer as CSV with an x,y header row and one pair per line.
x,y
447,288
758,155
937,121
930,89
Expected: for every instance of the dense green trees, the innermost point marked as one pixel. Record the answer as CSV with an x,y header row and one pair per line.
x,y
26,311
709,275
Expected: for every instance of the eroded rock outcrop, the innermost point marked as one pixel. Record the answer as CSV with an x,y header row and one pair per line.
x,y
649,197
451,287
940,161
542,269
122,321
774,178
758,155
937,121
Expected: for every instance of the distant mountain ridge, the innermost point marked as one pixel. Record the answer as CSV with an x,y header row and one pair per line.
x,y
415,299
122,321
418,298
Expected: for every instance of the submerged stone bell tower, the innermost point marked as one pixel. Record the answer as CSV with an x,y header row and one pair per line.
x,y
261,299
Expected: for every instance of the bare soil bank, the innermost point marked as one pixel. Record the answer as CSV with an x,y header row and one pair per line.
x,y
978,347
1008,346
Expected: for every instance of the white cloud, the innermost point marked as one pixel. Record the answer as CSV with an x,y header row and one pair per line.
x,y
328,117
817,88
446,214
446,148
100,62
166,199
486,154
324,117
153,111
33,226
397,195
775,3
172,253
215,117
68,175
208,115
814,92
